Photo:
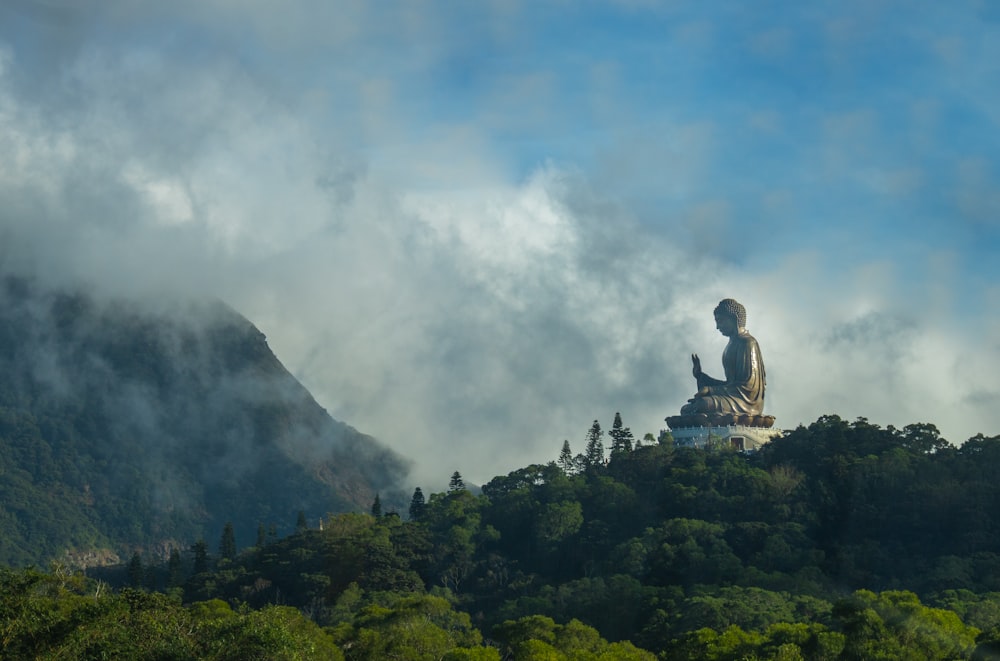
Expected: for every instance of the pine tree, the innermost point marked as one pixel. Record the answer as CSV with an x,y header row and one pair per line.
x,y
377,507
617,446
135,572
227,545
621,437
174,569
456,483
594,454
566,461
418,505
301,523
261,536
200,550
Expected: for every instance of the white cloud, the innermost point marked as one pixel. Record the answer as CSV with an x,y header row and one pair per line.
x,y
428,291
167,198
867,342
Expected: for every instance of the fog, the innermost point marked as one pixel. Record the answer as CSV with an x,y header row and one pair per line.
x,y
470,258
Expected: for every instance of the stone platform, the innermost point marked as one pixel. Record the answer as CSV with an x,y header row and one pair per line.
x,y
746,433
742,437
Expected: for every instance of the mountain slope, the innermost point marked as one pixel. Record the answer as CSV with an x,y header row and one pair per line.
x,y
124,426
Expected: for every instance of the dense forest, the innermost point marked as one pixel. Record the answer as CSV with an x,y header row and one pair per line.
x,y
842,540
132,424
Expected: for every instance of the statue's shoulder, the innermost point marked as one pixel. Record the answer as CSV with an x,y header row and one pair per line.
x,y
746,339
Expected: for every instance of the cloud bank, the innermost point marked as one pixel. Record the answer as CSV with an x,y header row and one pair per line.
x,y
471,258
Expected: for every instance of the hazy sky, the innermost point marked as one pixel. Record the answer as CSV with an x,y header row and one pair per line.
x,y
471,228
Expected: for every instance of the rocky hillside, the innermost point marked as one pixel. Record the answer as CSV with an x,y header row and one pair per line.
x,y
128,425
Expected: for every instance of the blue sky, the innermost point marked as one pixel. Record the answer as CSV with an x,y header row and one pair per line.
x,y
472,228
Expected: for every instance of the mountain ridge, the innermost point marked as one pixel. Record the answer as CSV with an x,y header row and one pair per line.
x,y
130,424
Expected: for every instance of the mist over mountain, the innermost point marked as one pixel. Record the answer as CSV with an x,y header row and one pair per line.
x,y
128,424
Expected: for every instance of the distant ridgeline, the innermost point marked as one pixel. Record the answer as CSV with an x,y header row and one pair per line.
x,y
129,425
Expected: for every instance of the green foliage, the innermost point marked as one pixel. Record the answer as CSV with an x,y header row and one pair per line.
x,y
47,617
890,625
621,438
566,460
687,553
558,521
124,425
418,505
200,551
175,569
135,572
276,633
894,624
419,627
539,637
472,654
227,545
593,456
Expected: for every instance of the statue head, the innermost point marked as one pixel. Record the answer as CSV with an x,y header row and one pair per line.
x,y
732,309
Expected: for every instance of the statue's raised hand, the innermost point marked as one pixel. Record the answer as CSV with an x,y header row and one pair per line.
x,y
696,365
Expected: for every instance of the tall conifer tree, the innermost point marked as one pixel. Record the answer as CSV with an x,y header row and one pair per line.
x,y
261,536
200,549
135,571
566,461
418,505
227,545
621,437
594,454
175,577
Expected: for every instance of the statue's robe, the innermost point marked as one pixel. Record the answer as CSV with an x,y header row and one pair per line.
x,y
743,390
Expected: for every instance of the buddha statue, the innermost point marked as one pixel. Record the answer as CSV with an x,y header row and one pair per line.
x,y
740,396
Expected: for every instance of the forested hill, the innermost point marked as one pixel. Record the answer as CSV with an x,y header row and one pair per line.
x,y
127,425
842,540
